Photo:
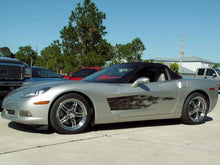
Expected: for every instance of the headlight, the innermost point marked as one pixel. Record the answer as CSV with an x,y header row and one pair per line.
x,y
37,92
27,72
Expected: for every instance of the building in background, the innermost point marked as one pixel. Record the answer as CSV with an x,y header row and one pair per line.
x,y
189,64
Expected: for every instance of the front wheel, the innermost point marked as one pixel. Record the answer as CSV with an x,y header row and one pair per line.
x,y
195,109
70,114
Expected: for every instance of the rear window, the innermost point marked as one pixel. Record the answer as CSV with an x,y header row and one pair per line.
x,y
201,72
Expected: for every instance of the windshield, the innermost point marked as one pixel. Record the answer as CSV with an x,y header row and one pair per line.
x,y
218,70
112,74
1,54
44,73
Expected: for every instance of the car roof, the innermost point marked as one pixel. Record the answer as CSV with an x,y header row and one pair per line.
x,y
155,65
38,67
146,64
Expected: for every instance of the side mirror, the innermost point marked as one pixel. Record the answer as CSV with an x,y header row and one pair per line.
x,y
214,75
142,80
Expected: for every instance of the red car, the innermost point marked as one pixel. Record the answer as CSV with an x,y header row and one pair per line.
x,y
82,73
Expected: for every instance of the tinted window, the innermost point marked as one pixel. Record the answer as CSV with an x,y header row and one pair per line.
x,y
112,74
201,72
84,72
43,73
154,74
210,72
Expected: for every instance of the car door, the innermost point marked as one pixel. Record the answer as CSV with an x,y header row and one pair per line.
x,y
210,74
154,98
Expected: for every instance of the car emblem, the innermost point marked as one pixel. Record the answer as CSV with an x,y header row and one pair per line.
x,y
3,72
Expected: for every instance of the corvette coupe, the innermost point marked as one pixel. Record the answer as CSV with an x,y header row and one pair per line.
x,y
120,93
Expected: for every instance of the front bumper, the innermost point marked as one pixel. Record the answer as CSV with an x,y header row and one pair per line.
x,y
22,117
22,110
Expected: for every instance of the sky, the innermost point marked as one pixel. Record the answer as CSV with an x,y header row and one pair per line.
x,y
158,23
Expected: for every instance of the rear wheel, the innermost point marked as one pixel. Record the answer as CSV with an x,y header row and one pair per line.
x,y
70,114
195,109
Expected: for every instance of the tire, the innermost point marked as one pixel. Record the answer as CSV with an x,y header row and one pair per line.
x,y
70,114
195,109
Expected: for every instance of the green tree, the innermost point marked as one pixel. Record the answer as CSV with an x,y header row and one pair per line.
x,y
6,51
123,53
174,67
82,39
129,52
149,60
216,65
52,58
27,54
138,48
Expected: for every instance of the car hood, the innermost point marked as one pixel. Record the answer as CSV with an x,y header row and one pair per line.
x,y
42,84
10,60
36,79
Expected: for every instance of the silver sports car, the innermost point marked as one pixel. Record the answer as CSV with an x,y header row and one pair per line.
x,y
120,93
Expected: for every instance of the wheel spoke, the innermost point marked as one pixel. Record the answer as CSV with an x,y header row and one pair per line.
x,y
192,112
75,104
197,116
199,104
201,110
64,108
79,114
192,104
73,122
64,119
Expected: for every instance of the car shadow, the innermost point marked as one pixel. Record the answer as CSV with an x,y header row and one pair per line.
x,y
112,126
29,128
139,124
208,119
136,124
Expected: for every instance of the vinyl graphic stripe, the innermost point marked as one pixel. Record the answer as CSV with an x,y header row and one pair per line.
x,y
132,102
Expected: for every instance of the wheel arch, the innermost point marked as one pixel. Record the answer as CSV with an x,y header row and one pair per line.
x,y
81,94
201,92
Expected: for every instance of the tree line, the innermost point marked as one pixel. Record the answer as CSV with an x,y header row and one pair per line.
x,y
81,44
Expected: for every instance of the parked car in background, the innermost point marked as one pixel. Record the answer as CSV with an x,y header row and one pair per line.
x,y
82,73
43,74
208,73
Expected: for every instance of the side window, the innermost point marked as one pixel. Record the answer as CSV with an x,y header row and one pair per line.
x,y
44,73
83,73
154,74
201,72
209,72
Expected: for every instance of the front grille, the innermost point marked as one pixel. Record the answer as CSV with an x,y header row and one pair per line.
x,y
10,112
11,71
4,90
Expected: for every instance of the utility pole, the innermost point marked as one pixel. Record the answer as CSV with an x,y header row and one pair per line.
x,y
181,53
37,50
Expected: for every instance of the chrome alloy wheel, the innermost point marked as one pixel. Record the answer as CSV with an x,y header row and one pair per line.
x,y
197,108
71,114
